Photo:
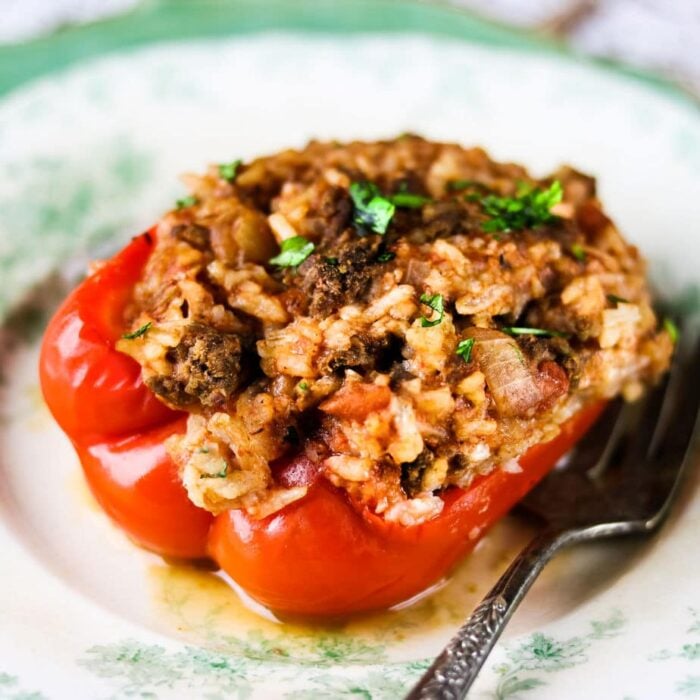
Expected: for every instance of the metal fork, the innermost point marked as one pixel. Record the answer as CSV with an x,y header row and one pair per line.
x,y
621,479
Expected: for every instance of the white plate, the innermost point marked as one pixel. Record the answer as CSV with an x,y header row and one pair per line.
x,y
90,155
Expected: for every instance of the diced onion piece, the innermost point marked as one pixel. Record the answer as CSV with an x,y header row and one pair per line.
x,y
509,379
281,228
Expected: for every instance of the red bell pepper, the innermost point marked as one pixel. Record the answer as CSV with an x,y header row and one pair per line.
x,y
322,555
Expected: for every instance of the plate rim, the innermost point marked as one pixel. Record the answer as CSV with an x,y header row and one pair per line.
x,y
487,34
156,21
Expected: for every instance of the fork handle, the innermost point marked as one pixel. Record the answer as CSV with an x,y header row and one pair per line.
x,y
454,671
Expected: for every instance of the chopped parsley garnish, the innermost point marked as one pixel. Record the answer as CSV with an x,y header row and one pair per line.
x,y
185,202
138,332
457,185
542,332
331,261
578,252
464,348
372,210
407,200
303,386
228,171
437,304
529,208
614,299
386,256
293,252
672,330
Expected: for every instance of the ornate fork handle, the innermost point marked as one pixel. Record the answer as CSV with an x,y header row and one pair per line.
x,y
454,671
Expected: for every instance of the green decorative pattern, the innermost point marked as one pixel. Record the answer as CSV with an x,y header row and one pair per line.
x,y
11,689
384,684
148,670
141,670
318,650
60,207
690,685
543,654
689,651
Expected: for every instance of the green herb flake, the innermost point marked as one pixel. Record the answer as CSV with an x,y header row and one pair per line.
x,y
139,332
228,171
529,208
437,304
407,200
331,261
672,330
614,299
303,386
293,252
372,210
464,349
578,252
541,332
185,202
457,185
386,256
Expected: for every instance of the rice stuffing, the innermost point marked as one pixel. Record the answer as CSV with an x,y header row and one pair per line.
x,y
409,314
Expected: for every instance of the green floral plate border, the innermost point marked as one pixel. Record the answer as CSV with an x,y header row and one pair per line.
x,y
167,20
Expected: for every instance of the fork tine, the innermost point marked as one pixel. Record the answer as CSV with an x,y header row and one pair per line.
x,y
645,413
618,447
591,449
680,409
640,435
618,432
674,451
